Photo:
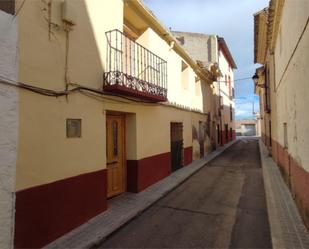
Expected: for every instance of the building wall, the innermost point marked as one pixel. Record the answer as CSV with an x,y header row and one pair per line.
x,y
61,182
288,77
8,126
291,95
227,73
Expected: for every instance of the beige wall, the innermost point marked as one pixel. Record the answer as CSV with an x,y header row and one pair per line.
x,y
291,80
44,153
226,70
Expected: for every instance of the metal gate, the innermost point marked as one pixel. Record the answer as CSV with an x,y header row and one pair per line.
x,y
177,145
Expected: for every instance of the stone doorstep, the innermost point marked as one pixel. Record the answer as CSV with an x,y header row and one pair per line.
x,y
286,225
125,207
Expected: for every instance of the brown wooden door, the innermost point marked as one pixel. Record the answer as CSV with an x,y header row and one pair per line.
x,y
115,155
176,145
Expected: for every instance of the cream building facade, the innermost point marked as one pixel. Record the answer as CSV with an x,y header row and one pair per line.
x,y
281,46
104,101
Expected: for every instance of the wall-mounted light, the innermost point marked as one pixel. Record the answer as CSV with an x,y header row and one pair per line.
x,y
255,79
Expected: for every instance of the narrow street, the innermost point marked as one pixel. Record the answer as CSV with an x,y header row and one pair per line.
x,y
222,206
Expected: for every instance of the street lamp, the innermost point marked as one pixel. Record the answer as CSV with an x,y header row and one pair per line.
x,y
255,79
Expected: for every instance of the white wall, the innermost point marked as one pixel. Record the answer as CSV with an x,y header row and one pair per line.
x,y
224,87
190,95
8,127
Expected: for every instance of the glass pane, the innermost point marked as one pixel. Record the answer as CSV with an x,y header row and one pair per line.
x,y
115,138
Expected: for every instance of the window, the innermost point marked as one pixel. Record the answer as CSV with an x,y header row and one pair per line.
x,y
8,6
285,135
74,128
231,112
230,87
266,92
221,102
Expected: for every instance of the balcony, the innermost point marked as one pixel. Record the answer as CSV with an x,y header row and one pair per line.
x,y
133,70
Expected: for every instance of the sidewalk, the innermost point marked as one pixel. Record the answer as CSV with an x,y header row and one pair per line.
x,y
287,228
127,206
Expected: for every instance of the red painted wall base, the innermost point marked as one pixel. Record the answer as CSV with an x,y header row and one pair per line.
x,y
145,172
294,175
46,212
188,155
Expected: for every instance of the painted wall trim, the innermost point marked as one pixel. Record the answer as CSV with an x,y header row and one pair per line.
x,y
46,212
294,175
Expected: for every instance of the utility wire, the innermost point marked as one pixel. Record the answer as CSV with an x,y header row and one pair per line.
x,y
224,81
54,93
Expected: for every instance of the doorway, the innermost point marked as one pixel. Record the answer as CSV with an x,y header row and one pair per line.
x,y
177,145
226,131
115,161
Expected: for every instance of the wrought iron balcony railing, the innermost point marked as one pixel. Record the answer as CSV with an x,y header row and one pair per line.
x,y
133,70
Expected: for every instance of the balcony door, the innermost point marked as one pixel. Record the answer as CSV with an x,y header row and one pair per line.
x,y
115,155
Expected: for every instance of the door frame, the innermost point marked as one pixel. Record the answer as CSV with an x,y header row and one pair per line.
x,y
124,177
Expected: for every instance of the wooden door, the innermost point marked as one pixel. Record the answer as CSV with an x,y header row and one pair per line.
x,y
115,155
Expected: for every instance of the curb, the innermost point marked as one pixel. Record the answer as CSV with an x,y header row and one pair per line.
x,y
97,229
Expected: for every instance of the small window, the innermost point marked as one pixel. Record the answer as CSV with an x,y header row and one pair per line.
x,y
74,128
285,135
231,112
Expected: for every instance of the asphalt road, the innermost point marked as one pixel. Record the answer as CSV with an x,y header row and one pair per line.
x,y
221,206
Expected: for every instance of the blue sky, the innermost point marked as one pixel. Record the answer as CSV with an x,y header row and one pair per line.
x,y
231,19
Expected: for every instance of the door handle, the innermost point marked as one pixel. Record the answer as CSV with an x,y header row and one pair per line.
x,y
113,162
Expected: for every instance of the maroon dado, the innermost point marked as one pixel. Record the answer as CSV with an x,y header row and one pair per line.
x,y
147,171
295,177
46,212
188,152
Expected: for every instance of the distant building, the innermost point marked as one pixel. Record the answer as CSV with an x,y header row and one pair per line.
x,y
247,127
